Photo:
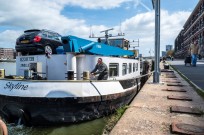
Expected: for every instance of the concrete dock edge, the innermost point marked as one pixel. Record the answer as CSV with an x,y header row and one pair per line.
x,y
149,113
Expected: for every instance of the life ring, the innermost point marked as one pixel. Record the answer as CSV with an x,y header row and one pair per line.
x,y
3,128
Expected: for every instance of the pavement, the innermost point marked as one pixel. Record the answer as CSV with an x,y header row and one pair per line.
x,y
170,107
195,74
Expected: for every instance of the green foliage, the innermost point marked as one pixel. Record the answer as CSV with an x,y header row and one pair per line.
x,y
113,119
170,53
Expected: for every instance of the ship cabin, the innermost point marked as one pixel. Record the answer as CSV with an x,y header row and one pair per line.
x,y
79,60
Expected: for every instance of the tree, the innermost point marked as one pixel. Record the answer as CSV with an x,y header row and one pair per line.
x,y
170,53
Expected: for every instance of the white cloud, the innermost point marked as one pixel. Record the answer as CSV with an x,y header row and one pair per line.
x,y
171,25
142,27
44,14
8,38
93,4
27,14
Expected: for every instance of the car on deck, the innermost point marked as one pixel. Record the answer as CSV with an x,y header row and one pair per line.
x,y
35,41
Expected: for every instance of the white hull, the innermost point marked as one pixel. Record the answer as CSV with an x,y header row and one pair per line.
x,y
52,102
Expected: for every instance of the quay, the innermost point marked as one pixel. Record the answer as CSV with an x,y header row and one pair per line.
x,y
170,107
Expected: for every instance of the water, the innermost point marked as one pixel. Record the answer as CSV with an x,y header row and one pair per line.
x,y
94,127
10,68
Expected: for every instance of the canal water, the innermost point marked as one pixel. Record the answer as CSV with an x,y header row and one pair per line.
x,y
94,127
10,67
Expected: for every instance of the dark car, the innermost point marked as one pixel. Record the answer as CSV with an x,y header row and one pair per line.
x,y
36,41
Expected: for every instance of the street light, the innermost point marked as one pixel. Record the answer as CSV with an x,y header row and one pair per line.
x,y
156,6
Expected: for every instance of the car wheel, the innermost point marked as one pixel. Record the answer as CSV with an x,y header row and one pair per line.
x,y
48,49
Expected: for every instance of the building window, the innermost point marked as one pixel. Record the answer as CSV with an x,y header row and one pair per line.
x,y
133,67
124,72
130,67
113,69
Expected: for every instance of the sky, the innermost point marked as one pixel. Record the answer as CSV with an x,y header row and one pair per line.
x,y
134,18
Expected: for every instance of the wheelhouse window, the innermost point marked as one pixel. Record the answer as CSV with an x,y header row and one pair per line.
x,y
124,72
113,69
130,67
134,67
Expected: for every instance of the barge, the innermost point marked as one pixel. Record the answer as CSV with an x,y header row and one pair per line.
x,y
58,89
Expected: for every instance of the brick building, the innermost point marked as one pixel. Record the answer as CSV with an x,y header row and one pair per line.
x,y
193,29
7,53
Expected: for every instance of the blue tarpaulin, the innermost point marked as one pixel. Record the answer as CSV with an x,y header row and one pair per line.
x,y
79,45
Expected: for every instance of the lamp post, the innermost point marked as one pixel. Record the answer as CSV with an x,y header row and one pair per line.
x,y
156,6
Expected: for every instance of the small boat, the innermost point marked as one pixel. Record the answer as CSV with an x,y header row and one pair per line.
x,y
57,89
7,60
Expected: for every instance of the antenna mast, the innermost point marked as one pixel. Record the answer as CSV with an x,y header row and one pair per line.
x,y
107,35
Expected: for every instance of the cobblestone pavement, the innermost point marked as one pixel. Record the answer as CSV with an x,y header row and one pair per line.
x,y
153,112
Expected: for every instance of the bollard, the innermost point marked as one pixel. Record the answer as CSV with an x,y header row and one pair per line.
x,y
166,66
70,75
26,74
2,73
86,75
